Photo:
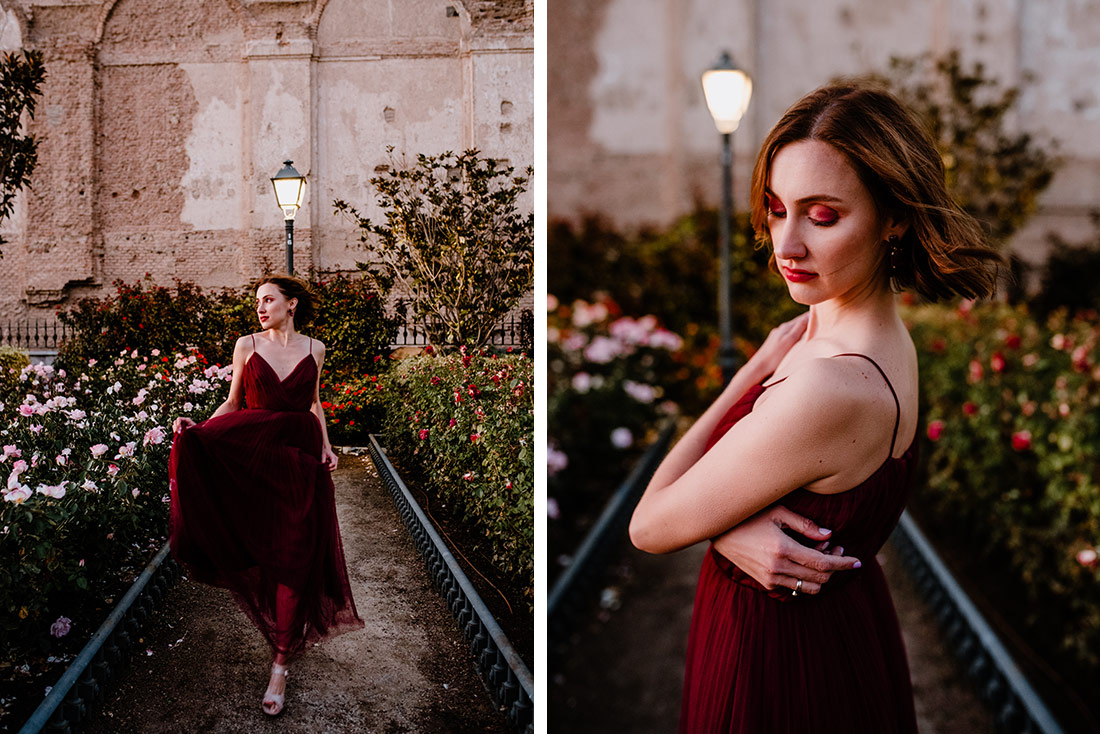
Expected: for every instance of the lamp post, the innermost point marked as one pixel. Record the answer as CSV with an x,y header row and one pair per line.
x,y
727,90
289,186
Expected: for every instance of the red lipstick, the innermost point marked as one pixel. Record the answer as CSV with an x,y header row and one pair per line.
x,y
798,276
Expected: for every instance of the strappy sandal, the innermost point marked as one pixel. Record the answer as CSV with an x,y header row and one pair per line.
x,y
273,702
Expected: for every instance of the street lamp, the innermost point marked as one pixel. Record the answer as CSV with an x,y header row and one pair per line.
x,y
289,185
727,90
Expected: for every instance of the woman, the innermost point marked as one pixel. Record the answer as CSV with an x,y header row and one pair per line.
x,y
252,500
817,432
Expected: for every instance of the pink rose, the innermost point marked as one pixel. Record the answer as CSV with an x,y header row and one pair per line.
x,y
975,370
61,627
935,429
1021,440
112,469
1088,558
99,450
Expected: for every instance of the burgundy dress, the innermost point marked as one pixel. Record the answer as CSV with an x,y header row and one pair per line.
x,y
253,510
762,661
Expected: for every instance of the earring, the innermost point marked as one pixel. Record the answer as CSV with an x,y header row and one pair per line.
x,y
895,253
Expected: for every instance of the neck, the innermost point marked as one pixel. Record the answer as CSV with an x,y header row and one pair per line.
x,y
865,312
282,334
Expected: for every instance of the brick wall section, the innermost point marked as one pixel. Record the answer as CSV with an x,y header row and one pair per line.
x,y
160,125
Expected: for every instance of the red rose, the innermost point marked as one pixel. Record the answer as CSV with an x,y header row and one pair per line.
x,y
935,428
423,433
970,408
1021,440
474,437
1012,341
997,362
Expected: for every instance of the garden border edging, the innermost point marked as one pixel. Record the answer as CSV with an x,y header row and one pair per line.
x,y
506,676
81,686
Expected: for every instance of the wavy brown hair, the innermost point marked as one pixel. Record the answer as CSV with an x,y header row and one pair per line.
x,y
294,287
943,252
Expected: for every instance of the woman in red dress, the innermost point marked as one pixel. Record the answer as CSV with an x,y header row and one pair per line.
x,y
252,500
816,435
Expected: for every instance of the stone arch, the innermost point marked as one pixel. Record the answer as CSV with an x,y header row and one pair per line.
x,y
108,13
387,73
170,110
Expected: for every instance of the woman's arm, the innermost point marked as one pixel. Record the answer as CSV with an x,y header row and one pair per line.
x,y
814,429
328,457
241,351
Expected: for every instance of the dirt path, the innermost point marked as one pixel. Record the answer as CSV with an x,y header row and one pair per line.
x,y
407,671
624,669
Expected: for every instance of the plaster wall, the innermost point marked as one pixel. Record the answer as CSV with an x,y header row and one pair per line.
x,y
630,138
161,125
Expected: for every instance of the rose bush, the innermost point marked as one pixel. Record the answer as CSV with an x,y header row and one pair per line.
x,y
606,396
85,493
464,422
1012,407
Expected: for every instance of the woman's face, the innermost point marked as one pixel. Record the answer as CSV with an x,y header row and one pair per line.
x,y
827,235
272,307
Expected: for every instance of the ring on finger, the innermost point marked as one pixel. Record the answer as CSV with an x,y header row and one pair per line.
x,y
797,588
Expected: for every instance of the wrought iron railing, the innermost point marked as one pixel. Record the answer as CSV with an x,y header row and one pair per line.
x,y
80,689
34,334
504,673
1016,707
574,590
514,330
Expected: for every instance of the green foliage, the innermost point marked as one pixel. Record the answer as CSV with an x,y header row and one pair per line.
x,y
1068,278
453,242
85,459
21,78
12,360
150,316
352,322
353,407
1013,411
995,174
465,421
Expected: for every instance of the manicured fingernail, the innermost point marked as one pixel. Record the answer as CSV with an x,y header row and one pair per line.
x,y
857,564
823,531
840,550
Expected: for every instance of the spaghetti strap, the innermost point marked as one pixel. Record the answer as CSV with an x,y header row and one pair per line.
x,y
253,342
897,403
310,346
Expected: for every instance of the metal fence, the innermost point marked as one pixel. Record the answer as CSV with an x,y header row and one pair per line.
x,y
35,334
514,330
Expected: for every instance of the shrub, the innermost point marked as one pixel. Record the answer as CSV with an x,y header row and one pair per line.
x,y
352,323
353,408
12,361
153,316
465,422
454,241
85,456
1013,412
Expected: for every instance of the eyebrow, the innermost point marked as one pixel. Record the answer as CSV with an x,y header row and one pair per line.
x,y
806,199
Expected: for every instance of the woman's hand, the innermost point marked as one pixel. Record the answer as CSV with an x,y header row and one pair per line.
x,y
779,342
761,549
328,458
182,423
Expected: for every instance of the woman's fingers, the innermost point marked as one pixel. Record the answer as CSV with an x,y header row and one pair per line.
x,y
808,587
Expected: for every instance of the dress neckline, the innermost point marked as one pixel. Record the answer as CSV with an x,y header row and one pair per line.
x,y
289,374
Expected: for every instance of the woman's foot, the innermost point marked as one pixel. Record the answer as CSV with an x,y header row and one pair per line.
x,y
275,696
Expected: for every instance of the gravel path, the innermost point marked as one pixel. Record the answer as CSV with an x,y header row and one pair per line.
x,y
407,671
624,669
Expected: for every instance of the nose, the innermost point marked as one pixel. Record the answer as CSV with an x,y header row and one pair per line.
x,y
787,243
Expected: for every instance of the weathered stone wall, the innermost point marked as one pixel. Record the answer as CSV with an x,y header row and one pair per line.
x,y
630,138
161,124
